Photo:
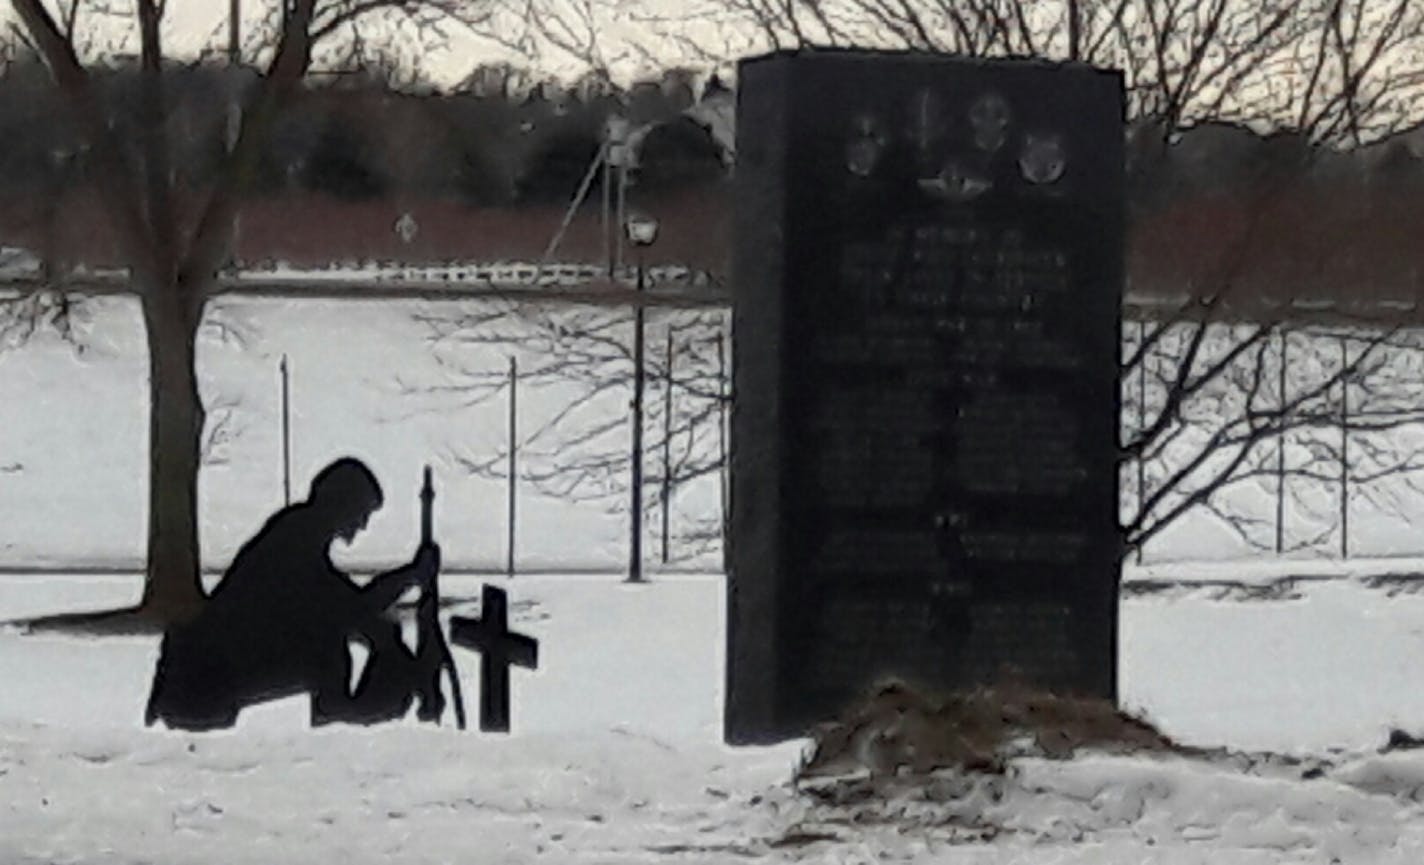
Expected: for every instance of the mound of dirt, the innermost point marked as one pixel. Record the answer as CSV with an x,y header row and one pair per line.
x,y
897,730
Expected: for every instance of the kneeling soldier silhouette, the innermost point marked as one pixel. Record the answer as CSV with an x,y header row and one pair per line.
x,y
280,621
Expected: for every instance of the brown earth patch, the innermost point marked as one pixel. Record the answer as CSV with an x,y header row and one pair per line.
x,y
897,730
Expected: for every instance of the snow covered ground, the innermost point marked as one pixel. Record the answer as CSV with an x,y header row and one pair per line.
x,y
74,429
616,756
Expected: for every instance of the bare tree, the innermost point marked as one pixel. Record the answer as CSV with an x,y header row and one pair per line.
x,y
1203,410
1344,395
1201,413
580,452
1209,409
1184,61
172,246
574,31
1204,413
41,164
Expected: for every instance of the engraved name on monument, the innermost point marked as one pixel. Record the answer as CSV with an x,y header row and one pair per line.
x,y
928,275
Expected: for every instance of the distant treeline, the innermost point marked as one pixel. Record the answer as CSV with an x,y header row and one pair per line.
x,y
1224,158
497,140
1212,207
503,137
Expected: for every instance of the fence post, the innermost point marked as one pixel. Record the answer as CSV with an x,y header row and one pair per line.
x,y
722,440
286,433
621,205
635,474
513,463
667,445
1141,419
1344,449
1281,451
607,192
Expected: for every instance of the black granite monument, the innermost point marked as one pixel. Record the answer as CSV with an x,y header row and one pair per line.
x,y
928,272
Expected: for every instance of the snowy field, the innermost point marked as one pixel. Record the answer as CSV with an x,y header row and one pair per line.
x,y
364,380
616,755
367,380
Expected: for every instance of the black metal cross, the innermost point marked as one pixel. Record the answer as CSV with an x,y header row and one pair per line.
x,y
498,647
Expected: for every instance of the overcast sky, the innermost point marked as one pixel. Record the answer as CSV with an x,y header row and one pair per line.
x,y
638,38
632,36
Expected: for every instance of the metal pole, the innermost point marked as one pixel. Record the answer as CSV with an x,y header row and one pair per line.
x,y
1344,450
607,201
667,445
513,464
572,211
635,516
286,434
1281,453
1141,422
622,214
722,441
234,32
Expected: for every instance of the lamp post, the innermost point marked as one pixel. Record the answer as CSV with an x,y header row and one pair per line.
x,y
642,231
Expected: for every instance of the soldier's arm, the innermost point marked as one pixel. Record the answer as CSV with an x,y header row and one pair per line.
x,y
384,589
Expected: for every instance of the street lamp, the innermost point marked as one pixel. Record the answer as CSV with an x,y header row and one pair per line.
x,y
642,231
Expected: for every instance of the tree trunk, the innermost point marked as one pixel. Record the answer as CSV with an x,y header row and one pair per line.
x,y
172,588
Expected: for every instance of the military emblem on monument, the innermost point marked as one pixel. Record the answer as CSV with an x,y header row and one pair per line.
x,y
1043,158
989,117
866,147
927,124
957,182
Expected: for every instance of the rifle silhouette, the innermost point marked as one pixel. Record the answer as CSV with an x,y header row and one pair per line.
x,y
432,698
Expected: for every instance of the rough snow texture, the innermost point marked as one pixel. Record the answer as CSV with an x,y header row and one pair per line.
x,y
616,756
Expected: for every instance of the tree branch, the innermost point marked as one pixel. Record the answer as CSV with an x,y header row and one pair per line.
x,y
115,179
213,234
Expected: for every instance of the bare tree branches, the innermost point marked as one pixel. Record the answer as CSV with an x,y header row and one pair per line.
x,y
1336,72
173,267
1222,436
116,180
25,316
1185,61
581,361
221,430
289,63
